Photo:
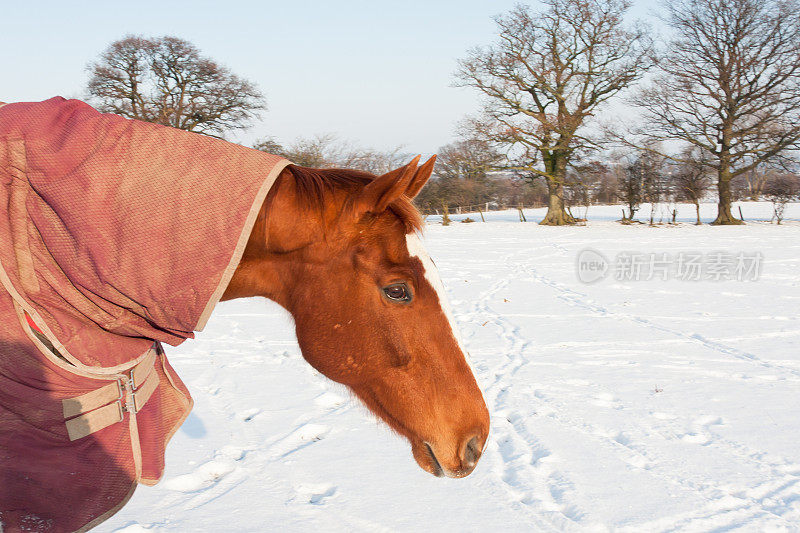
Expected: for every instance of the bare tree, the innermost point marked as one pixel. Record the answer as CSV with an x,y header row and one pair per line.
x,y
469,159
461,177
272,146
781,190
328,151
373,160
755,179
631,185
728,85
602,177
546,77
166,80
641,178
584,184
499,191
656,186
751,184
320,151
691,178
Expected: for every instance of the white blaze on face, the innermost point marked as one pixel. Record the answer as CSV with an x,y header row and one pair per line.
x,y
416,249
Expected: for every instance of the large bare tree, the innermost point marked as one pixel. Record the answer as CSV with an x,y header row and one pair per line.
x,y
546,77
166,80
729,84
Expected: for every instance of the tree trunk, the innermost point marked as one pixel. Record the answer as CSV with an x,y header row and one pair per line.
x,y
697,208
724,216
556,214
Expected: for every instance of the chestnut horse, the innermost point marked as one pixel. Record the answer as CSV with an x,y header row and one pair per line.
x,y
339,250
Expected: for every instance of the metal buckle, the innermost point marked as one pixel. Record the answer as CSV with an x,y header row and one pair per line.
x,y
121,410
130,405
127,405
121,386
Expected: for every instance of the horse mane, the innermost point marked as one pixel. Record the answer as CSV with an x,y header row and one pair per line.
x,y
314,185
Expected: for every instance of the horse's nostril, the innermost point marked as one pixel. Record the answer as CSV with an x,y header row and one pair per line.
x,y
472,453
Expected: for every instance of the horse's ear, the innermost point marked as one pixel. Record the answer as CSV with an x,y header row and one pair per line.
x,y
421,177
385,189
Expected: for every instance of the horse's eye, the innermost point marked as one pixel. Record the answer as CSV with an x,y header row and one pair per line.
x,y
397,292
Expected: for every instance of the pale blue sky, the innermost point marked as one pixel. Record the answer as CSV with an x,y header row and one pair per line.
x,y
377,73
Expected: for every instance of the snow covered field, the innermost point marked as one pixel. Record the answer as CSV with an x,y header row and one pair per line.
x,y
620,405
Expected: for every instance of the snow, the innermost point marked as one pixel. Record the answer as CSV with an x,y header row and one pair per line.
x,y
618,405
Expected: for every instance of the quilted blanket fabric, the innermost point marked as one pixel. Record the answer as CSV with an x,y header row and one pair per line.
x,y
115,236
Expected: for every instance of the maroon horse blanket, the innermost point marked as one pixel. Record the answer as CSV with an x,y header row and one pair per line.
x,y
115,235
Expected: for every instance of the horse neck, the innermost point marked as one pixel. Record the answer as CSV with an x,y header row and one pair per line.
x,y
283,229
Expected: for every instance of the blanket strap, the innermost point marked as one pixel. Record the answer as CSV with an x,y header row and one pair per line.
x,y
18,214
107,405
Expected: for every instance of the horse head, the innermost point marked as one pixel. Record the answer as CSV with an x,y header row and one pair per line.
x,y
340,250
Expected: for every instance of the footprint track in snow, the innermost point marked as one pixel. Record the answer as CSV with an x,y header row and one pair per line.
x,y
248,414
700,432
210,480
329,400
524,471
513,446
203,477
582,300
314,493
605,399
303,436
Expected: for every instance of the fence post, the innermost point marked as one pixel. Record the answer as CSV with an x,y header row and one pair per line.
x,y
445,215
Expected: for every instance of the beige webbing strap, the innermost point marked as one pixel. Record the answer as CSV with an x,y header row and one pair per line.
x,y
142,370
105,406
18,215
92,400
141,396
84,425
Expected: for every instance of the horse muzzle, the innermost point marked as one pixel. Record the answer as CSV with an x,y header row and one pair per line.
x,y
446,465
